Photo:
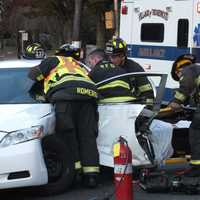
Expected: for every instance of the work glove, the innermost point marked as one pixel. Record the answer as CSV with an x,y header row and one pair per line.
x,y
175,107
164,113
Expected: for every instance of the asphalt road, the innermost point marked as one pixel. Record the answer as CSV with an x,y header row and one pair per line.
x,y
106,187
96,194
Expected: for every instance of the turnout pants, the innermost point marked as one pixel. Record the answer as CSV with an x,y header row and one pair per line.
x,y
77,126
194,136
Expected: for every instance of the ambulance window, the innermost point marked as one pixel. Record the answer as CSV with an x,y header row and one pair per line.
x,y
152,32
183,28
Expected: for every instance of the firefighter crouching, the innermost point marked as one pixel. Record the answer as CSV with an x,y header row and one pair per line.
x,y
116,49
74,94
187,73
114,91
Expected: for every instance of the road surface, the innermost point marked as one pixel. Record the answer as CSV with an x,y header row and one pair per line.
x,y
105,188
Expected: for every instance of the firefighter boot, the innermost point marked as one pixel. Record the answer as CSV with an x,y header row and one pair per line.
x,y
90,180
77,178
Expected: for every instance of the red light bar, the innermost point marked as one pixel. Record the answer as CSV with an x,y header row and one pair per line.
x,y
124,10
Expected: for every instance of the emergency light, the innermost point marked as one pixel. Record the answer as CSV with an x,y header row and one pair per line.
x,y
124,10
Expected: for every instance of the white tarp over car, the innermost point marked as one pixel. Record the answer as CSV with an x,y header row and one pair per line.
x,y
119,120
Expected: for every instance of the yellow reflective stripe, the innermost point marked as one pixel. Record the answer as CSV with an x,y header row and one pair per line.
x,y
180,96
80,71
113,84
195,162
149,101
116,99
90,169
121,45
78,165
48,85
29,49
145,88
40,77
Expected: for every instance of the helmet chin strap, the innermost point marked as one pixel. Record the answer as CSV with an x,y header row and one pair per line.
x,y
123,60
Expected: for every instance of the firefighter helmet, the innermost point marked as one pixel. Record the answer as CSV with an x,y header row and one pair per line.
x,y
180,62
116,46
68,50
34,51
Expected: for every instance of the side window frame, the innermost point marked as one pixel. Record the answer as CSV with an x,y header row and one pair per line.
x,y
182,33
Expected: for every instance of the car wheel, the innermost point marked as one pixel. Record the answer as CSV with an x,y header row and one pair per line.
x,y
60,166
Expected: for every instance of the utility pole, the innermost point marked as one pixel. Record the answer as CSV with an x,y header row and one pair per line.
x,y
116,14
1,9
1,24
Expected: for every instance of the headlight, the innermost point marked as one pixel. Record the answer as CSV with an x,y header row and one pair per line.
x,y
20,136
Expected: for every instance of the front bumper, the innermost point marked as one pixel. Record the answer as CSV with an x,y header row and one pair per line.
x,y
22,165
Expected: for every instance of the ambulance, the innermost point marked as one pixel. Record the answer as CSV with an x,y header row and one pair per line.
x,y
158,31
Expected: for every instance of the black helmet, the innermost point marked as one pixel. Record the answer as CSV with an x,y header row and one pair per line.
x,y
68,50
116,46
180,62
34,51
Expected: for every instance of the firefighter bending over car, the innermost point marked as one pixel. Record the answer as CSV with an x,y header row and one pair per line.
x,y
187,72
116,49
74,94
115,91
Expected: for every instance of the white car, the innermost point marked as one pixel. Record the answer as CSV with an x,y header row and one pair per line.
x,y
30,152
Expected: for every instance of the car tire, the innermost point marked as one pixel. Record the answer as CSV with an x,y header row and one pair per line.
x,y
60,166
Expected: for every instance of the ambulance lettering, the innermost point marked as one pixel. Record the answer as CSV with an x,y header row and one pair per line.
x,y
153,12
150,52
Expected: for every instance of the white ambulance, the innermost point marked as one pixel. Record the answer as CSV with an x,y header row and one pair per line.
x,y
158,31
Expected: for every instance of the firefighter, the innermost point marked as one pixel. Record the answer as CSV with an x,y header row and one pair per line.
x,y
116,49
74,94
187,73
114,91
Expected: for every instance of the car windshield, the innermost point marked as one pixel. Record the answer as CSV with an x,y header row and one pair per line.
x,y
15,86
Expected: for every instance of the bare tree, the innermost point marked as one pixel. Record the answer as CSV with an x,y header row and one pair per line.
x,y
99,7
77,20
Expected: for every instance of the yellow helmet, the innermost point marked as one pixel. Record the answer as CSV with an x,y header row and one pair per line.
x,y
180,62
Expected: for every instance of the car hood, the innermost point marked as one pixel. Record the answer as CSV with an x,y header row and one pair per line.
x,y
19,116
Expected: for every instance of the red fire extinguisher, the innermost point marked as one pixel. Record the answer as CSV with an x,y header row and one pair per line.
x,y
123,170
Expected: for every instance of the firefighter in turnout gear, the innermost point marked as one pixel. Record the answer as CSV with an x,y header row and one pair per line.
x,y
187,73
74,94
114,91
116,49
